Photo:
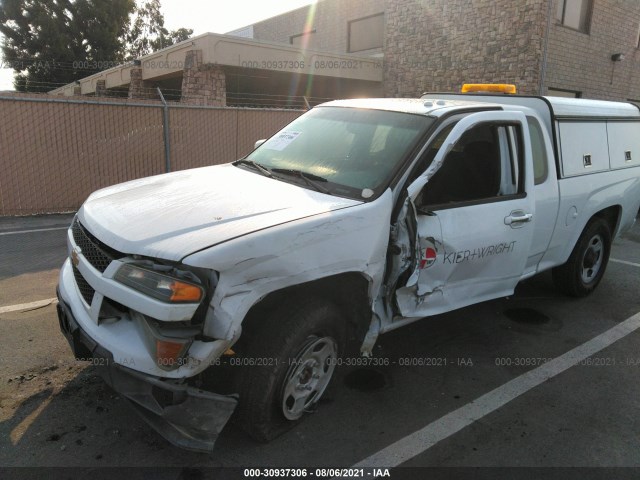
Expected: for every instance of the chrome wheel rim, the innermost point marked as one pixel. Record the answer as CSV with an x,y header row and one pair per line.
x,y
308,376
592,259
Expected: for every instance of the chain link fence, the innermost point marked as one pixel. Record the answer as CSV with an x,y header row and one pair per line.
x,y
54,152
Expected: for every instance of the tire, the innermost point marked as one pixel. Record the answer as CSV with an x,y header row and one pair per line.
x,y
289,345
584,269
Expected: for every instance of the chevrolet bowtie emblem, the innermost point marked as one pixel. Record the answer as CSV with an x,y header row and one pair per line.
x,y
75,259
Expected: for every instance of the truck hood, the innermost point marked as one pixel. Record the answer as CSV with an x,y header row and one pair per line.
x,y
171,216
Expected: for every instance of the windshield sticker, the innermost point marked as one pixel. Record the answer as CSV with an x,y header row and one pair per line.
x,y
478,253
367,193
282,141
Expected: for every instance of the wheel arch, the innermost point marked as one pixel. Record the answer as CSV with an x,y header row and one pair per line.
x,y
350,291
612,216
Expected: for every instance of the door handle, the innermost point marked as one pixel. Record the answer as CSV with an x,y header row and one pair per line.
x,y
517,218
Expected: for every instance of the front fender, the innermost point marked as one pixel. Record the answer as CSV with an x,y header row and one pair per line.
x,y
353,239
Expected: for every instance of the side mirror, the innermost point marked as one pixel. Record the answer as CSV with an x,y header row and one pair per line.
x,y
258,143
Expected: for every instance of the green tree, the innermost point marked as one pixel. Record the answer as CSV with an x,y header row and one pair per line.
x,y
53,42
148,33
50,43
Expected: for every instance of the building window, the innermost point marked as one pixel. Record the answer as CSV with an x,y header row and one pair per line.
x,y
366,33
560,92
575,14
303,40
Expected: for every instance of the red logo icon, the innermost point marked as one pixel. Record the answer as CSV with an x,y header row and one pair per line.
x,y
428,257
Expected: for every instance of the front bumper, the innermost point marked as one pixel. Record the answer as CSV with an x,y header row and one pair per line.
x,y
188,417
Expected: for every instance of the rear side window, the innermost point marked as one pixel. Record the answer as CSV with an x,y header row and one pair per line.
x,y
539,151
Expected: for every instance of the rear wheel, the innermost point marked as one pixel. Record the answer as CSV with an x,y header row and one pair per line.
x,y
294,352
582,273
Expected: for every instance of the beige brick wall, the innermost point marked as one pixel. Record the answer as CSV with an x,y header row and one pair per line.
x,y
582,62
438,45
330,21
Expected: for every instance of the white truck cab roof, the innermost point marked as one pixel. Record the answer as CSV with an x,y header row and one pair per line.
x,y
438,105
420,106
549,109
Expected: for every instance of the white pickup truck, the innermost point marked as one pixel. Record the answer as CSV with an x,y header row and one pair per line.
x,y
359,217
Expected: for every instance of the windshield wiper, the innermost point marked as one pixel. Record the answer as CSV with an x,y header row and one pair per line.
x,y
260,168
310,179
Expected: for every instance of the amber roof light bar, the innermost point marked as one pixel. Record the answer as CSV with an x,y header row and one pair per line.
x,y
489,88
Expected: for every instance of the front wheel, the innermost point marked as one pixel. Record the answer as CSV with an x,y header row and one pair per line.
x,y
582,273
288,363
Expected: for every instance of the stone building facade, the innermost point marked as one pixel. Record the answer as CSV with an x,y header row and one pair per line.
x,y
139,89
437,45
202,83
557,47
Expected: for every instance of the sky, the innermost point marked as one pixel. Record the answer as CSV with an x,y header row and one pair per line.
x,y
217,16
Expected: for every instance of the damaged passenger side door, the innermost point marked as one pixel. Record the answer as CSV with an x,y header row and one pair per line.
x,y
469,217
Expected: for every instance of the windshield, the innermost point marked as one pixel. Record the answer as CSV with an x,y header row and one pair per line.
x,y
349,151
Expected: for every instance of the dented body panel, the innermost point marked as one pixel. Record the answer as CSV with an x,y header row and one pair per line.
x,y
475,202
251,267
210,205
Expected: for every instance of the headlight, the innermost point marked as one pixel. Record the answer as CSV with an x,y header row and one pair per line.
x,y
162,287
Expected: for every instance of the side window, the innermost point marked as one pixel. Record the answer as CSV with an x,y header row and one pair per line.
x,y
509,167
484,164
539,151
